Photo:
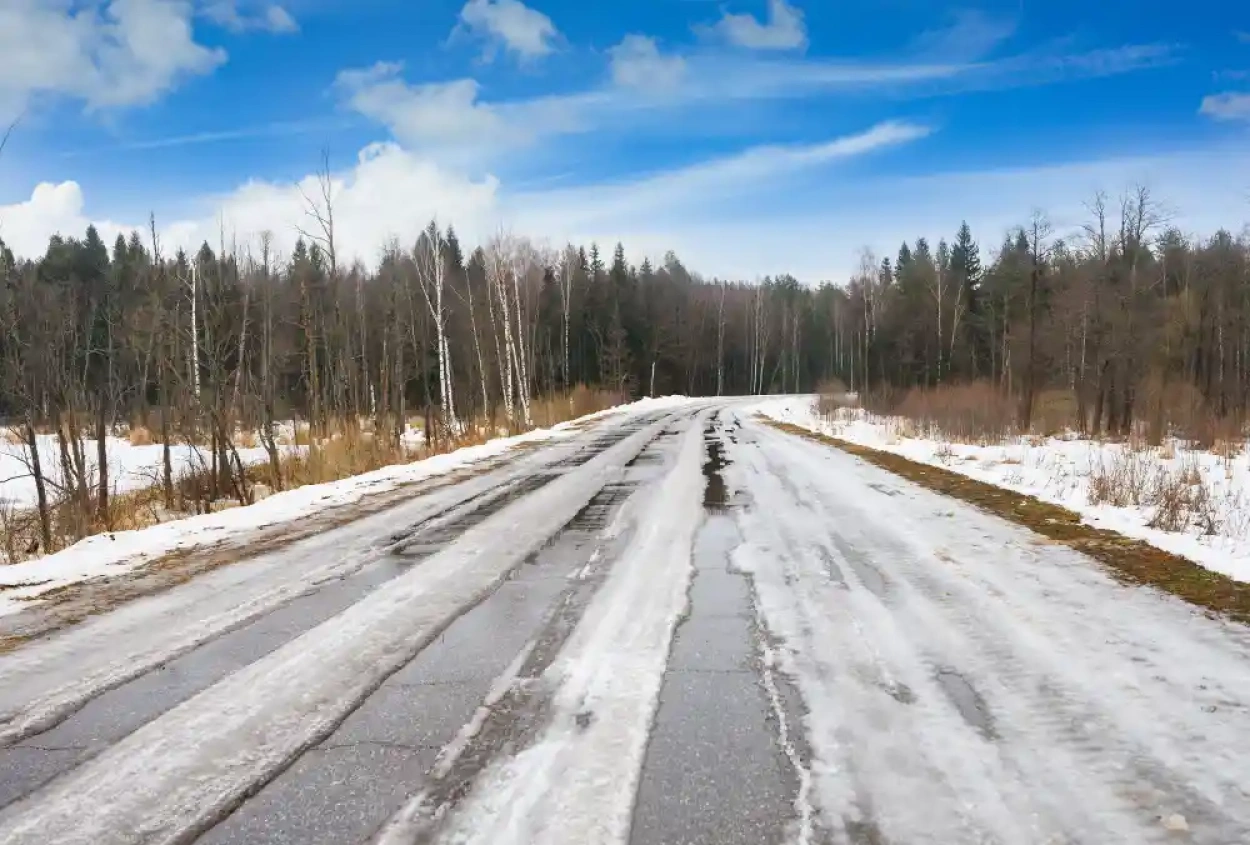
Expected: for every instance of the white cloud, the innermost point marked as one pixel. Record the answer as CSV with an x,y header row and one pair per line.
x,y
393,192
526,32
118,53
270,18
52,209
420,116
1226,106
638,63
388,193
745,173
447,120
972,34
784,30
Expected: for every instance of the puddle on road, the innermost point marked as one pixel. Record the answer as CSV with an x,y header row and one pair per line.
x,y
715,493
967,701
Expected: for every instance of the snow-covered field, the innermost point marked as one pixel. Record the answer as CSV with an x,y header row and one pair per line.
x,y
1061,471
130,467
117,552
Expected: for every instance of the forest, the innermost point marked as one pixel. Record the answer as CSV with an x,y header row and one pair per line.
x,y
1128,321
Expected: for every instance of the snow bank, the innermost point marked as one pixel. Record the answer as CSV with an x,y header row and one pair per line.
x,y
120,551
1059,470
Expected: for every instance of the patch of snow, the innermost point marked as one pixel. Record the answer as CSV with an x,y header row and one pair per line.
x,y
1058,470
576,784
119,551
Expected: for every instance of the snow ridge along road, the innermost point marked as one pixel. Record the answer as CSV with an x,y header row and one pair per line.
x,y
175,776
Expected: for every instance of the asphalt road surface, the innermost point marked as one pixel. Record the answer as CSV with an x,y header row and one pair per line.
x,y
679,626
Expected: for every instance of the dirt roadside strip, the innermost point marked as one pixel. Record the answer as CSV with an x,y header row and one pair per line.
x,y
1130,561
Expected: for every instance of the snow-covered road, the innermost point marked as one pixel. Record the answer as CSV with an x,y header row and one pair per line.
x,y
681,626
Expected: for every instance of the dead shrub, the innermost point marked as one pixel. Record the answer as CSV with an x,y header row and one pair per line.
x,y
1210,429
1055,412
832,396
246,439
1174,501
1124,480
13,437
976,412
140,436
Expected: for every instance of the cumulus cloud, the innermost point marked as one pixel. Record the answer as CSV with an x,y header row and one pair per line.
x,y
784,30
436,113
638,63
119,53
762,210
52,209
393,192
239,17
1228,105
511,24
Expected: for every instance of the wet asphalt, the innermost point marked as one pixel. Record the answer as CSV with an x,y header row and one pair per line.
x,y
348,786
115,713
715,772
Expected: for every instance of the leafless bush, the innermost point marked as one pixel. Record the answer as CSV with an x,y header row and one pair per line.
x,y
976,412
1125,480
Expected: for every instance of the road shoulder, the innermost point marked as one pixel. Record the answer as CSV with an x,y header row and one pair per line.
x,y
1130,561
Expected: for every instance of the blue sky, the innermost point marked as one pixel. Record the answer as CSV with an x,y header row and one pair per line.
x,y
752,136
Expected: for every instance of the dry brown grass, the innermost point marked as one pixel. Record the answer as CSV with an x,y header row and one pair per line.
x,y
1180,497
12,437
578,402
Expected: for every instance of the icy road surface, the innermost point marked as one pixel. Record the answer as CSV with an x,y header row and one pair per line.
x,y
678,626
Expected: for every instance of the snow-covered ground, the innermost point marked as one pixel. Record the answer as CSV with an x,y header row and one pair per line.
x,y
117,552
130,467
1060,470
966,684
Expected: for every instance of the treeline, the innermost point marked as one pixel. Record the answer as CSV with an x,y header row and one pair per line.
x,y
1129,318
1140,326
197,347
